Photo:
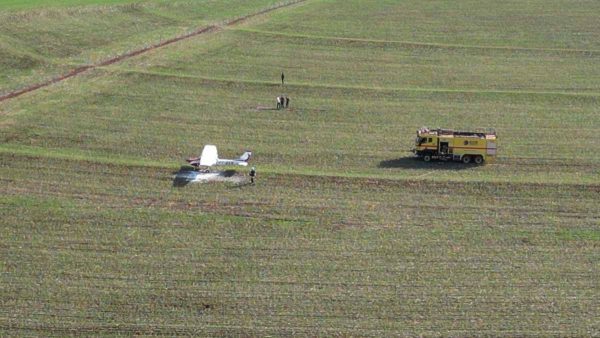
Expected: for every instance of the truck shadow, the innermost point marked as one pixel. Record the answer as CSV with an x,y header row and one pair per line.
x,y
413,162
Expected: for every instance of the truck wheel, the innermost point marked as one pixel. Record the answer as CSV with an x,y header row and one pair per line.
x,y
426,158
478,159
466,159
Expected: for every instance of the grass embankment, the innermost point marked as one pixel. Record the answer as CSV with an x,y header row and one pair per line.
x,y
19,5
41,40
344,233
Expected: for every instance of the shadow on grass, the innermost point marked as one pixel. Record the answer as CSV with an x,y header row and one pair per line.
x,y
413,162
184,176
240,185
187,174
259,108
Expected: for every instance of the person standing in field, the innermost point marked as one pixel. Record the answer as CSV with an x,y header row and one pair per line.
x,y
282,77
287,101
252,175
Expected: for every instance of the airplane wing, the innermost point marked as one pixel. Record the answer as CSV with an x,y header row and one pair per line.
x,y
209,156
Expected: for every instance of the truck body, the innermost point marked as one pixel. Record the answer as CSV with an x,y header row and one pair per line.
x,y
453,145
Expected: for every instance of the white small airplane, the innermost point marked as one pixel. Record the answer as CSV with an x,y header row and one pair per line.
x,y
210,157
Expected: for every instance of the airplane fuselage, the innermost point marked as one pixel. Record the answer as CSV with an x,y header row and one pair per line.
x,y
231,162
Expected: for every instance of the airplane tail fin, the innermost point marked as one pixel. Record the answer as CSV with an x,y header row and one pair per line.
x,y
209,156
245,156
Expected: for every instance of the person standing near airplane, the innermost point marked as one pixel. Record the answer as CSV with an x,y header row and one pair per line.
x,y
252,175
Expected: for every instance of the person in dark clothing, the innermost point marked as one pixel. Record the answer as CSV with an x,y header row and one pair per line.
x,y
287,101
252,175
282,77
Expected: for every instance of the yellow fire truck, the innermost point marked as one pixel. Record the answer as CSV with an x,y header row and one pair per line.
x,y
453,145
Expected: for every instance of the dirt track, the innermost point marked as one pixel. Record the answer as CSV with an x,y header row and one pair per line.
x,y
81,69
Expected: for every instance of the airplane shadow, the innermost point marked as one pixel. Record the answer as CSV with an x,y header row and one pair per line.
x,y
188,174
184,176
228,173
413,162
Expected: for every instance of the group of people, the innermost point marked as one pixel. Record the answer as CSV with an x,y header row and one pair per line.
x,y
283,102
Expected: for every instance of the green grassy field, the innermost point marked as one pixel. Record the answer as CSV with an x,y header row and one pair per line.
x,y
345,234
52,37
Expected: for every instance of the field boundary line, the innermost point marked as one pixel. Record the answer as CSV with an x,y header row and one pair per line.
x,y
65,154
587,52
332,86
206,29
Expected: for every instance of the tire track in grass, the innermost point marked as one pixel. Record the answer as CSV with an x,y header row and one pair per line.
x,y
12,153
419,44
200,31
592,95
